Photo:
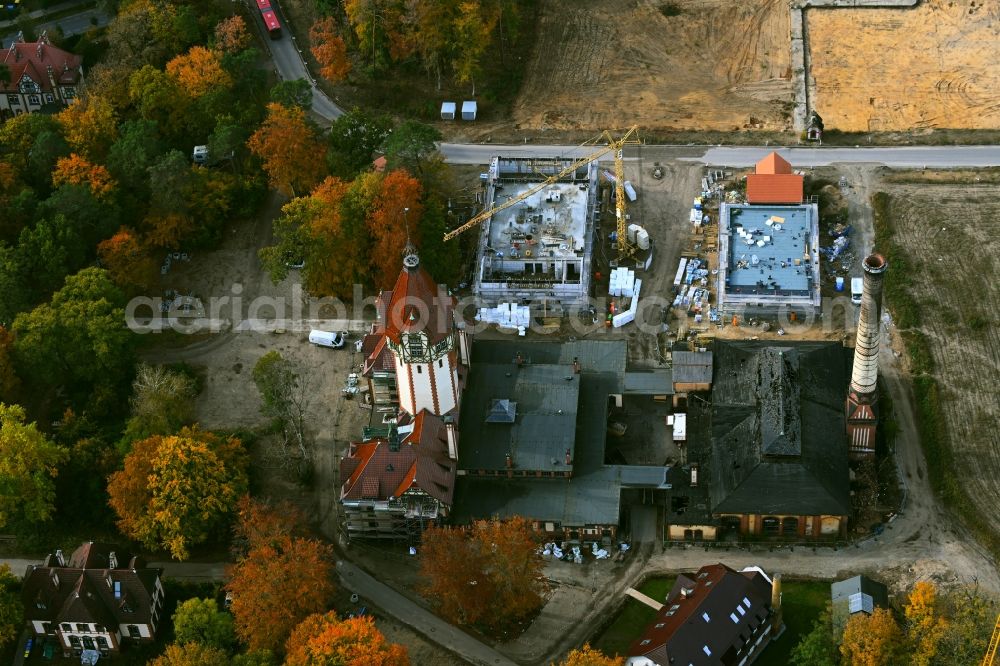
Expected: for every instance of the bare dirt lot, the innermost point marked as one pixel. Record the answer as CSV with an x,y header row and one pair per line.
x,y
710,64
950,234
894,69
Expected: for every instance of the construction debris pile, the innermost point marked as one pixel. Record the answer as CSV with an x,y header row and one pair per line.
x,y
507,315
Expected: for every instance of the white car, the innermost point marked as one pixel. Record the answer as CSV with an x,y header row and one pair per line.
x,y
326,339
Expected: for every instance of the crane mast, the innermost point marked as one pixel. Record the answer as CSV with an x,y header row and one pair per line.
x,y
625,249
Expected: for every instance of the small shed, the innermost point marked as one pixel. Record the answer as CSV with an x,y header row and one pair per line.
x,y
447,110
469,109
855,595
692,371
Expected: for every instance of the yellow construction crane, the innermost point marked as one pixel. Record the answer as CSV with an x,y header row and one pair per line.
x,y
991,651
625,248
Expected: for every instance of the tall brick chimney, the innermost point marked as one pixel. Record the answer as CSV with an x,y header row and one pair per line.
x,y
863,393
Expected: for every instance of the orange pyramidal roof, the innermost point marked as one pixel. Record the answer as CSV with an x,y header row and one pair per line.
x,y
417,304
773,164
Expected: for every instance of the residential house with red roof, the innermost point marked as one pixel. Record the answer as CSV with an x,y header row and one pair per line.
x,y
39,74
774,183
716,617
97,600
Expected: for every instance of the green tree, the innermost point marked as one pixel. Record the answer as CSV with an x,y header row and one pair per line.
x,y
136,150
170,178
47,251
410,145
191,654
255,658
46,150
971,615
14,294
78,340
817,648
162,402
176,492
11,608
284,397
353,139
201,621
29,462
297,93
442,259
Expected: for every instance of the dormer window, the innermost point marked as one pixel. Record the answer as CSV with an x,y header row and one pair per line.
x,y
415,345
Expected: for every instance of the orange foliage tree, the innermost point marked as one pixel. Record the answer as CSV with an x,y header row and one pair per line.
x,y
588,656
489,575
77,170
199,71
168,230
231,35
259,523
873,640
177,491
128,262
326,639
290,149
192,654
280,581
387,221
90,126
329,50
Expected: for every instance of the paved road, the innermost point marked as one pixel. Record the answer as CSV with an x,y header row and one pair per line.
x,y
71,25
419,618
290,66
744,156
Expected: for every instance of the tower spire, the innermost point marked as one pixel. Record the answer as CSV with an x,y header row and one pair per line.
x,y
410,258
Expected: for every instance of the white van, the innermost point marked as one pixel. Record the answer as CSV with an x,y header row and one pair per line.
x,y
326,339
857,286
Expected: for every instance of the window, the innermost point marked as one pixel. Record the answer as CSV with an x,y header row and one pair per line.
x,y
645,641
746,602
420,370
100,628
102,644
440,362
705,617
66,627
88,643
83,628
739,609
49,98
40,605
75,641
133,631
34,99
704,648
660,625
69,93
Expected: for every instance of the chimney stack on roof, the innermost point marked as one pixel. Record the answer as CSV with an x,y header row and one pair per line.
x,y
112,560
865,374
449,429
776,604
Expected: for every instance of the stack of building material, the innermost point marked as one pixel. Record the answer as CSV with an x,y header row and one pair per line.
x,y
622,283
506,315
627,316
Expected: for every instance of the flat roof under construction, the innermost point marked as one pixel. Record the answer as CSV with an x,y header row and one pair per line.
x,y
550,223
769,255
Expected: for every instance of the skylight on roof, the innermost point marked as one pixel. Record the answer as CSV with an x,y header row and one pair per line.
x,y
746,602
705,649
732,616
705,617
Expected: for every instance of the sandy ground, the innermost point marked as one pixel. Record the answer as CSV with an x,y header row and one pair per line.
x,y
715,65
890,69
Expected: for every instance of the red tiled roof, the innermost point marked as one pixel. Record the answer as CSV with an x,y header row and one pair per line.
x,y
377,354
774,189
33,59
379,164
415,304
773,164
373,471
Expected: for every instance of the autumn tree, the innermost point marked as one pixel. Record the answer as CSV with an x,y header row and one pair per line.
x,y
475,22
90,126
283,394
159,97
201,621
29,463
77,170
162,401
178,491
277,585
488,576
191,654
872,640
396,206
327,640
11,606
588,656
231,35
329,50
924,624
259,523
198,71
816,648
971,615
128,261
289,148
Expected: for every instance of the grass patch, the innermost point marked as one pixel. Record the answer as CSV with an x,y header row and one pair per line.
x,y
802,601
632,618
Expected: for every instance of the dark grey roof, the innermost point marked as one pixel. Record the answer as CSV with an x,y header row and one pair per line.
x,y
654,382
776,429
592,495
863,592
692,367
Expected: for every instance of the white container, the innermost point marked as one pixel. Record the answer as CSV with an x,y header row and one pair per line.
x,y
642,239
448,111
630,191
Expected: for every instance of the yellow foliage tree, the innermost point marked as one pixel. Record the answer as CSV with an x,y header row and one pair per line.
x,y
924,625
874,640
199,71
90,126
77,170
588,656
